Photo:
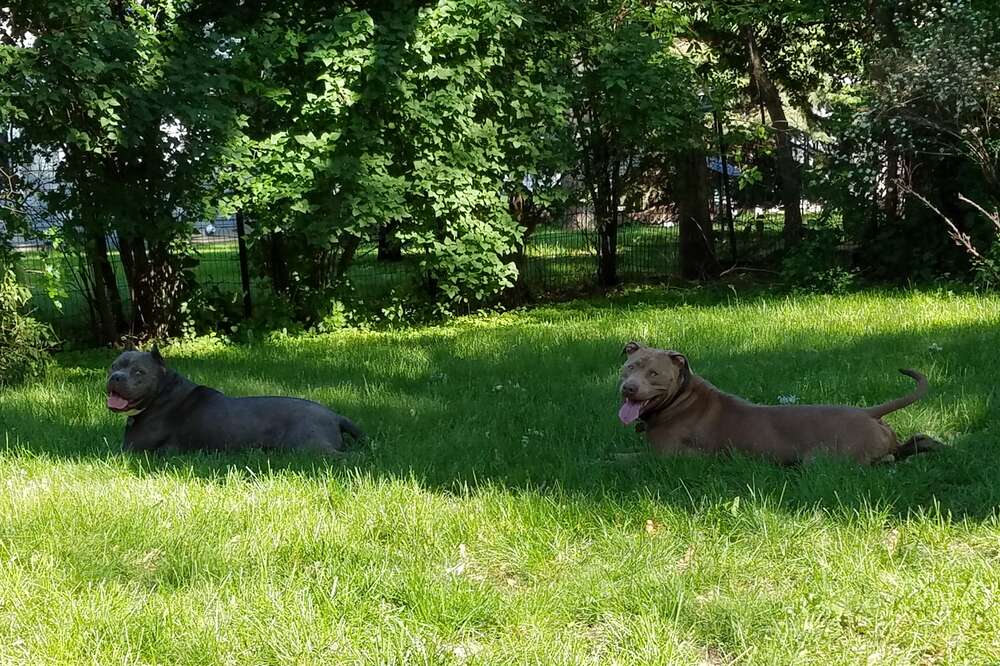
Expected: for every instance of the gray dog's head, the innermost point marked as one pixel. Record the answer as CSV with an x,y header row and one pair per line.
x,y
649,379
134,381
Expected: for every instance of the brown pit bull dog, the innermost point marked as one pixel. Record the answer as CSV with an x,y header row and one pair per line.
x,y
683,413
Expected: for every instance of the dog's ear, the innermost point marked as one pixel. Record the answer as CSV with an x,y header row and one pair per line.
x,y
680,360
631,348
155,353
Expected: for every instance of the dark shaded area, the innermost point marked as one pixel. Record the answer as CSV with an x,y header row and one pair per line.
x,y
696,251
470,429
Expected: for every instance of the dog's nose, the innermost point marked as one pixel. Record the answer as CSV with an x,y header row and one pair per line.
x,y
116,377
629,389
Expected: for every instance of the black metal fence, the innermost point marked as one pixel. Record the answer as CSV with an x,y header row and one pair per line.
x,y
558,258
59,280
561,258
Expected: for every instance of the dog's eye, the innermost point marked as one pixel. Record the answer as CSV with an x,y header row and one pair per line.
x,y
653,373
140,371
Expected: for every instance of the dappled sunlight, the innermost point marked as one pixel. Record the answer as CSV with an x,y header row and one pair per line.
x,y
758,186
524,397
528,399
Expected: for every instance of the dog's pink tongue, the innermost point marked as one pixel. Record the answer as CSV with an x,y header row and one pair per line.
x,y
629,411
115,401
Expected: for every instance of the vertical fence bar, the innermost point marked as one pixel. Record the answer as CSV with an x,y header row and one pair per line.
x,y
244,265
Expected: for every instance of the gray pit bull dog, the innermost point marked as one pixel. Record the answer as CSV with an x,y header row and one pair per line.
x,y
170,414
683,413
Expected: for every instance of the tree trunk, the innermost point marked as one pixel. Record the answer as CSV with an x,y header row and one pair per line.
x,y
789,177
135,260
126,250
155,285
348,248
389,246
279,267
165,290
882,16
527,216
726,204
606,214
110,280
607,252
97,255
154,271
697,254
241,247
890,202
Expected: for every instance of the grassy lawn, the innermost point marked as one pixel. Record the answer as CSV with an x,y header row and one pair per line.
x,y
485,521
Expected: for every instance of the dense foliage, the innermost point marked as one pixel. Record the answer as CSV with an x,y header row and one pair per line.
x,y
443,132
401,122
24,342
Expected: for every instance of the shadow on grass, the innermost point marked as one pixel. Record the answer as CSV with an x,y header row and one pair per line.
x,y
523,406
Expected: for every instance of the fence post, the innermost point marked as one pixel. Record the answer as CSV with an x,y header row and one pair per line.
x,y
244,265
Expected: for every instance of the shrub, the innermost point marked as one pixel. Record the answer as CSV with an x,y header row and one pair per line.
x,y
24,341
816,265
988,270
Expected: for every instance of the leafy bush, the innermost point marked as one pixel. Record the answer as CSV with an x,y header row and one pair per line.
x,y
421,120
985,263
817,265
24,341
988,271
209,309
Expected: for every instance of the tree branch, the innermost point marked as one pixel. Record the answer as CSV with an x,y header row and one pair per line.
x,y
7,192
961,239
993,217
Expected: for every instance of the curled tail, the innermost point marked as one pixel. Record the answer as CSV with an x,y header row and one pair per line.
x,y
346,425
878,411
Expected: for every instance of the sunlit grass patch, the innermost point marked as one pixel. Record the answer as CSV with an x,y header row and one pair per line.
x,y
486,520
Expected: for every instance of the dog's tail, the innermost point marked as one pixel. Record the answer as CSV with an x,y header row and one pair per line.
x,y
346,425
878,411
917,444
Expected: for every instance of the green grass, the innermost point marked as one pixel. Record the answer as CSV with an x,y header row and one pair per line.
x,y
486,523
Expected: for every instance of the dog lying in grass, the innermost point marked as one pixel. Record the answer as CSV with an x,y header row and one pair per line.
x,y
169,414
683,413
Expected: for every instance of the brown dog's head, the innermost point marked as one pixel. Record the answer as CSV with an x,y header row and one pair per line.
x,y
649,379
134,380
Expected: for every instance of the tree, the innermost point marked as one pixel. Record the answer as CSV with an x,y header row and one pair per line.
x,y
939,91
787,50
696,252
389,121
124,96
631,98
